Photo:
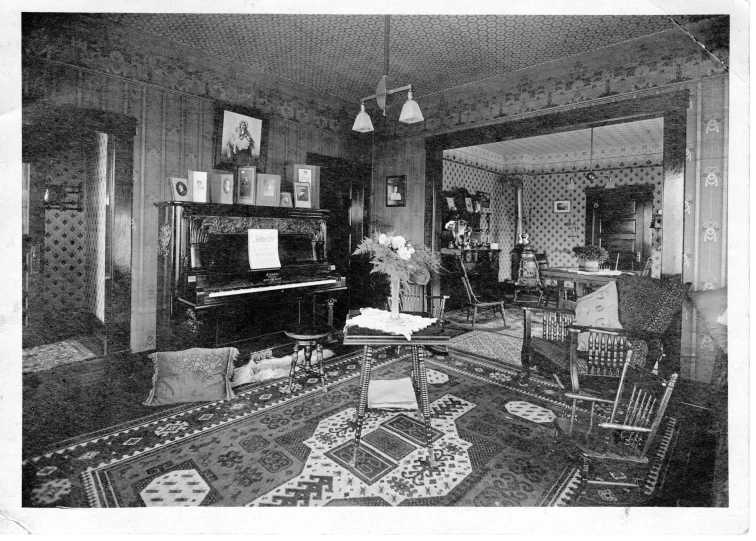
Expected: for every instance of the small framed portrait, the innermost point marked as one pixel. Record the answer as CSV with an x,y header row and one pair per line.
x,y
396,191
303,195
268,190
563,206
286,200
239,137
304,175
245,186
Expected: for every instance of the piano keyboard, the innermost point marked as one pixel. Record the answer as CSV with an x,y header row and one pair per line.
x,y
277,287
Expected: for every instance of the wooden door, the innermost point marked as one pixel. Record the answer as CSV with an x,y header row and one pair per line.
x,y
619,219
344,191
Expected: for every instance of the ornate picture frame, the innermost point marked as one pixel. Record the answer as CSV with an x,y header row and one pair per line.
x,y
240,138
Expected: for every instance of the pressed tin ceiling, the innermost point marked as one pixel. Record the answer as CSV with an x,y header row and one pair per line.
x,y
342,55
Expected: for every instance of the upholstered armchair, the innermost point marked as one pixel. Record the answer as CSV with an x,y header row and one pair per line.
x,y
593,340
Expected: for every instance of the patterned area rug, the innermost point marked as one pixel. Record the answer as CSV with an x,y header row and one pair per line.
x,y
49,356
495,346
267,447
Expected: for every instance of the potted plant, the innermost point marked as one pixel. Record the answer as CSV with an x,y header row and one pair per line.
x,y
591,256
402,261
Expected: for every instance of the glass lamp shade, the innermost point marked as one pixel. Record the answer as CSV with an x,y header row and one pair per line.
x,y
410,111
362,123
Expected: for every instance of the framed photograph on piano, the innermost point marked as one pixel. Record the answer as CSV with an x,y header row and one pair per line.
x,y
268,192
239,137
245,191
303,195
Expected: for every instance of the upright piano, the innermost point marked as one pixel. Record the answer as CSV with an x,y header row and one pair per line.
x,y
209,295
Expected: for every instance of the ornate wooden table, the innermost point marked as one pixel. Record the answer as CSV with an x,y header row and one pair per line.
x,y
581,279
435,335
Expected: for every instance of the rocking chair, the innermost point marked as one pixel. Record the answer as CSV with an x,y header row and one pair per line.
x,y
627,433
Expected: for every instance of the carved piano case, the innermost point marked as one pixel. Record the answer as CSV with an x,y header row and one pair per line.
x,y
207,294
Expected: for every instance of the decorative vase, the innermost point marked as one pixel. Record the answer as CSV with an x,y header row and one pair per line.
x,y
394,298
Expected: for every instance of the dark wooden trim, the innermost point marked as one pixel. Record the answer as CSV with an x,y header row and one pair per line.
x,y
53,126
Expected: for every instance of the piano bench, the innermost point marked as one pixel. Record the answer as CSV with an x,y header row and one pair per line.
x,y
307,335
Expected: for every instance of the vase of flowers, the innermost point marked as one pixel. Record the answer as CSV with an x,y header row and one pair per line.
x,y
591,256
403,262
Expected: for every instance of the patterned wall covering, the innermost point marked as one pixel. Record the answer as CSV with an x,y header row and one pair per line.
x,y
556,234
64,263
171,91
477,169
705,245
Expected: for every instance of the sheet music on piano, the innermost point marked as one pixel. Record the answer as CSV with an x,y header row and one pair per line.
x,y
263,249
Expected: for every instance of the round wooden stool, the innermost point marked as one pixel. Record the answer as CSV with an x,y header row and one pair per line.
x,y
307,335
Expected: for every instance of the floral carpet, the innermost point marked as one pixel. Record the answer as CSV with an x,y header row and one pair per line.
x,y
269,447
49,356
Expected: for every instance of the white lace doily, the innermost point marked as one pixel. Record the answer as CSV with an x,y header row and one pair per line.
x,y
379,320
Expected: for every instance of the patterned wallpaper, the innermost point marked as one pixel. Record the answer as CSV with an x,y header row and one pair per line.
x,y
545,179
64,262
556,234
478,170
65,231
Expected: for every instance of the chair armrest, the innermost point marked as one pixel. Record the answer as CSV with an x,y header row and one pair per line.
x,y
629,428
588,398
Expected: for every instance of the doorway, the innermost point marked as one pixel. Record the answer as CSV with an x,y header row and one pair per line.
x,y
77,230
619,219
345,192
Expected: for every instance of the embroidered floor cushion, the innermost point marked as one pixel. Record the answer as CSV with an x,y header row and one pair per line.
x,y
192,375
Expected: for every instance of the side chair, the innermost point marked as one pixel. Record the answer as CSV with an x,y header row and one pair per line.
x,y
477,302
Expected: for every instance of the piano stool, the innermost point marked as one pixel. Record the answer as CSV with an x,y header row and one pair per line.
x,y
307,335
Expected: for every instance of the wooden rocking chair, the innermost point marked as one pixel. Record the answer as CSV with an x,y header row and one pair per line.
x,y
627,434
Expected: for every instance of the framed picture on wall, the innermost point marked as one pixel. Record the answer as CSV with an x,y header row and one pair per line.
x,y
396,191
239,138
286,199
562,206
